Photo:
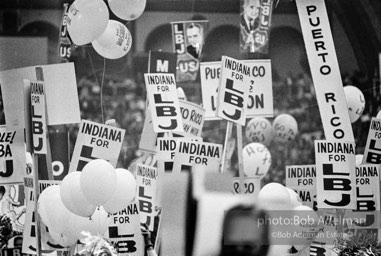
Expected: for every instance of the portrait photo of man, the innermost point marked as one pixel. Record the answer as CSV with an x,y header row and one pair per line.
x,y
195,39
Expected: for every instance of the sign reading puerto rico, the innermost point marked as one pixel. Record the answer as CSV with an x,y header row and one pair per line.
x,y
124,231
12,155
193,118
164,102
372,151
252,186
195,153
38,114
366,213
146,180
335,169
260,100
210,73
96,141
233,90
325,70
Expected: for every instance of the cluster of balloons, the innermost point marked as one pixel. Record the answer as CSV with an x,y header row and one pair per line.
x,y
355,102
280,201
84,200
88,22
260,132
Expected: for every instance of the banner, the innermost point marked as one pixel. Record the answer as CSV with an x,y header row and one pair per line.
x,y
367,211
146,180
335,169
124,231
188,41
372,151
255,23
233,90
163,102
260,96
64,47
162,62
12,155
95,141
193,153
39,124
29,242
193,119
325,70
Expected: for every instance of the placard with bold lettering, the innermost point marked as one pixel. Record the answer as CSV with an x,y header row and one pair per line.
x,y
166,147
325,69
252,186
12,155
96,141
260,100
164,102
302,176
367,211
29,234
146,180
124,231
372,151
335,170
233,90
210,73
193,118
39,124
191,153
162,62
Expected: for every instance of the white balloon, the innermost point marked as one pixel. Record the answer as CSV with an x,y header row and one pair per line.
x,y
256,160
355,102
295,199
259,129
114,42
64,240
274,196
98,181
285,128
86,20
124,193
127,9
73,197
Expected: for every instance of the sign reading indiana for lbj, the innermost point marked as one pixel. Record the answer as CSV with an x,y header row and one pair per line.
x,y
335,170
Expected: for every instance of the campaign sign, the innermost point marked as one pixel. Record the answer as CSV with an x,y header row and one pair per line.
x,y
29,235
252,186
325,69
302,176
96,141
366,213
164,102
124,231
166,148
38,114
194,153
260,101
148,137
335,169
372,151
64,48
162,62
146,180
233,90
210,73
193,119
12,155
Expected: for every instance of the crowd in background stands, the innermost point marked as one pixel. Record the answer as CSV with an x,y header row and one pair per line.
x,y
124,101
